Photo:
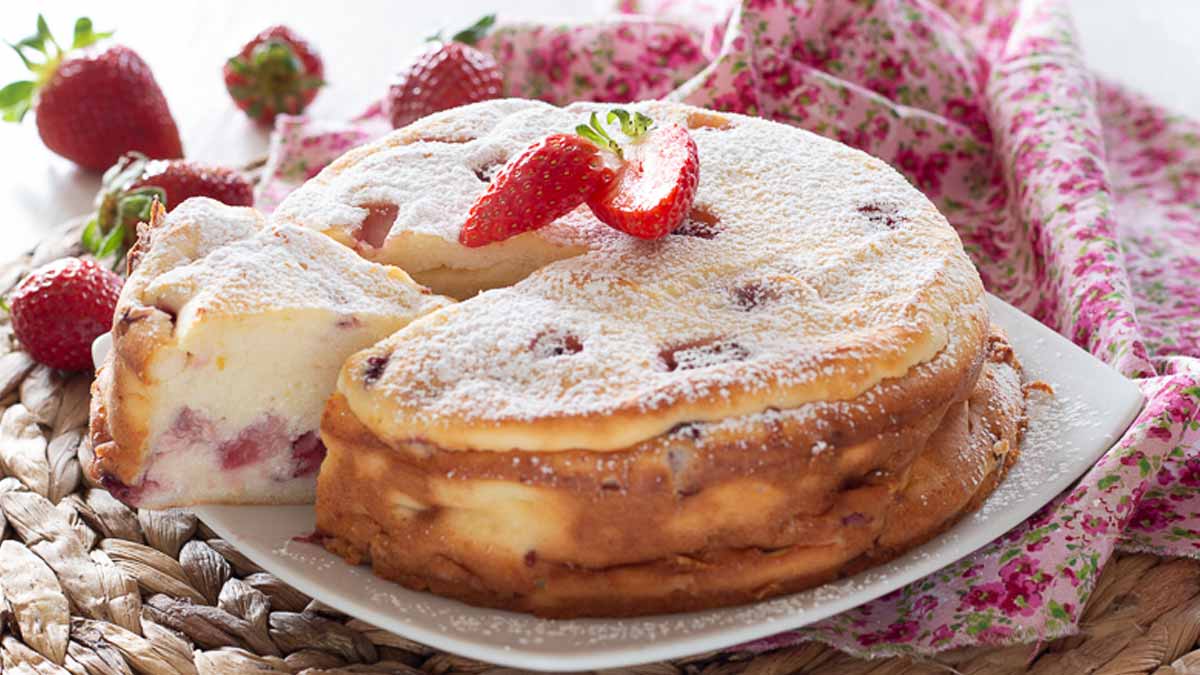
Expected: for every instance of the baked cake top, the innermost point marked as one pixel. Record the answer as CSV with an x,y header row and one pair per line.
x,y
808,271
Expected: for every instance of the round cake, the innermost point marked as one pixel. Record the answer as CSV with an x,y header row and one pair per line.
x,y
799,382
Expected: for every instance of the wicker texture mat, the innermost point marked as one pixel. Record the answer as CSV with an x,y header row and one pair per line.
x,y
91,586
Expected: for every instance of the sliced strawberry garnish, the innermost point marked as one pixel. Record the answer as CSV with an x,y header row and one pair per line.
x,y
546,181
654,188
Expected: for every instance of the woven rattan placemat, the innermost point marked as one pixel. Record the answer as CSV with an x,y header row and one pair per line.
x,y
94,587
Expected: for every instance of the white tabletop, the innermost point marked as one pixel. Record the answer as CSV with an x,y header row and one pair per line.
x,y
1149,45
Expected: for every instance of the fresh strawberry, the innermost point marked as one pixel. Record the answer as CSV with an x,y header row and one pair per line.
x,y
181,179
276,72
546,181
445,75
133,183
655,186
60,308
92,106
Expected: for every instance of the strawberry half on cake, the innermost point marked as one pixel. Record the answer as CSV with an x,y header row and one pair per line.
x,y
227,340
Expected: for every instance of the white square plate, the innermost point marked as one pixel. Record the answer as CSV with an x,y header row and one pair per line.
x,y
1092,407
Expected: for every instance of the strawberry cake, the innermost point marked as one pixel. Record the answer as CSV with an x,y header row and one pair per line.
x,y
227,341
794,379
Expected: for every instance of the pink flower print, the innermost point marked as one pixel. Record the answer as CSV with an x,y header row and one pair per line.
x,y
855,138
1019,567
900,631
926,173
995,634
620,87
1133,458
760,5
1088,180
1190,475
670,52
777,76
554,61
880,127
1000,28
984,595
1161,433
1035,546
1148,124
1022,596
1180,408
1043,516
1153,514
924,604
941,634
815,54
1094,524
1071,576
1152,159
972,571
919,30
886,79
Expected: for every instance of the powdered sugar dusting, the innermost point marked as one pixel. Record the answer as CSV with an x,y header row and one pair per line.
x,y
826,266
284,267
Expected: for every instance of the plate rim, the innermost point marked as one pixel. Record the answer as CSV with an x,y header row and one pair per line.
x,y
615,657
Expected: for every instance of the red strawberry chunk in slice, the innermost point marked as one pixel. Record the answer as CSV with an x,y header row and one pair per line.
x,y
308,452
254,444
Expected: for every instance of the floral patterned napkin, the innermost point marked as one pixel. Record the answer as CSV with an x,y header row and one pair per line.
x,y
1079,202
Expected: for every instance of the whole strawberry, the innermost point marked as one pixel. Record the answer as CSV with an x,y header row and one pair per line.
x,y
446,74
276,72
546,181
134,182
60,308
93,105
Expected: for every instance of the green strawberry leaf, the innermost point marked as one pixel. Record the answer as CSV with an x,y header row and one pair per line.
x,y
596,133
111,243
85,36
135,206
43,31
92,236
24,59
4,306
475,32
15,100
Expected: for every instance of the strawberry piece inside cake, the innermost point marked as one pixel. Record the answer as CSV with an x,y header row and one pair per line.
x,y
227,341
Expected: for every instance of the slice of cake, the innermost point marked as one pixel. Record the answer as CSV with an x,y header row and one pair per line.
x,y
227,340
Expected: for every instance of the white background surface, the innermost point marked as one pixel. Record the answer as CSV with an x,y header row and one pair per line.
x,y
1151,45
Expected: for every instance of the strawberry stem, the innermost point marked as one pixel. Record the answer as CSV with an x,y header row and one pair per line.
x,y
475,32
596,133
85,36
633,126
17,98
469,35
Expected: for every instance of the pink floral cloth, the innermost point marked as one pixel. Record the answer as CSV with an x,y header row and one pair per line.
x,y
1078,201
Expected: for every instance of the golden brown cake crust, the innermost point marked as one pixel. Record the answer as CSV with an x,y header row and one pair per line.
x,y
706,515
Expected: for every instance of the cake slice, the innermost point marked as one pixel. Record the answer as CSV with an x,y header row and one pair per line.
x,y
227,340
